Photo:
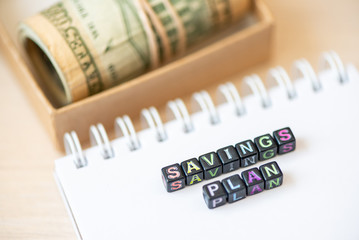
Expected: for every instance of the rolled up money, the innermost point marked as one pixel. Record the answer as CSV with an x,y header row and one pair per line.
x,y
81,47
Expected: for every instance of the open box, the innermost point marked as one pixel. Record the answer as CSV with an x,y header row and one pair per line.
x,y
237,48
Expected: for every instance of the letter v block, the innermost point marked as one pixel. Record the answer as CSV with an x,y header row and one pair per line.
x,y
211,165
273,176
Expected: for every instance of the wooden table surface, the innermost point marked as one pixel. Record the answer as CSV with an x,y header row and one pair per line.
x,y
30,203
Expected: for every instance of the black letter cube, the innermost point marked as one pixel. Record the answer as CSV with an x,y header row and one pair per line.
x,y
193,171
254,181
211,165
173,177
229,158
273,176
214,194
248,153
267,147
235,188
285,140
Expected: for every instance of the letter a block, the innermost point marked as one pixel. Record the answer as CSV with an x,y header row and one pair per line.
x,y
211,165
285,140
193,171
235,188
267,147
273,176
254,181
214,194
173,177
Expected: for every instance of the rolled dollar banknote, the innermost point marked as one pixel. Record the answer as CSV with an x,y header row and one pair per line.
x,y
81,47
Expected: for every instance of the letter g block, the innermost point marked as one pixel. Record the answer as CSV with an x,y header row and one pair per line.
x,y
267,147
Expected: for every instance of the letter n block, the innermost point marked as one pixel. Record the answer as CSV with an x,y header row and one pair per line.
x,y
267,147
285,140
248,153
173,177
193,171
273,176
211,165
254,181
214,195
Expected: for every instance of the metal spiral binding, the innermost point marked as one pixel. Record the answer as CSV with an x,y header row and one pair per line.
x,y
257,87
230,93
303,69
281,77
178,109
151,118
124,127
98,137
204,101
73,147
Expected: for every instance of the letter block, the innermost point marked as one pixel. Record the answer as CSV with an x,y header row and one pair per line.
x,y
229,158
235,188
267,147
248,153
285,140
254,181
193,171
214,195
173,177
273,176
211,165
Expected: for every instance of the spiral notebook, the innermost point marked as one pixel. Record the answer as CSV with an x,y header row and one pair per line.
x,y
114,189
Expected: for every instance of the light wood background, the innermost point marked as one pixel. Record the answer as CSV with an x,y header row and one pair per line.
x,y
30,203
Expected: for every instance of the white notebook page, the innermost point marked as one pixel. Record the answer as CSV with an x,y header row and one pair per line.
x,y
124,197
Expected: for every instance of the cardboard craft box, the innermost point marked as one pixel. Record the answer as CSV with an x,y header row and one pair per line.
x,y
219,58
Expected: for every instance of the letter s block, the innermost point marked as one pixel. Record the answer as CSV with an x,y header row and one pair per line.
x,y
173,177
285,140
214,195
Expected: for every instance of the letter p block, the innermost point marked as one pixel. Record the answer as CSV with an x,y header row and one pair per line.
x,y
214,195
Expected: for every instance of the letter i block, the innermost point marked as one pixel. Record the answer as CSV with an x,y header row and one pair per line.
x,y
214,195
193,171
254,181
273,176
229,158
173,177
235,188
267,147
248,153
285,140
211,165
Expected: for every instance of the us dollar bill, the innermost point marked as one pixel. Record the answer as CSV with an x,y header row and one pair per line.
x,y
81,47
